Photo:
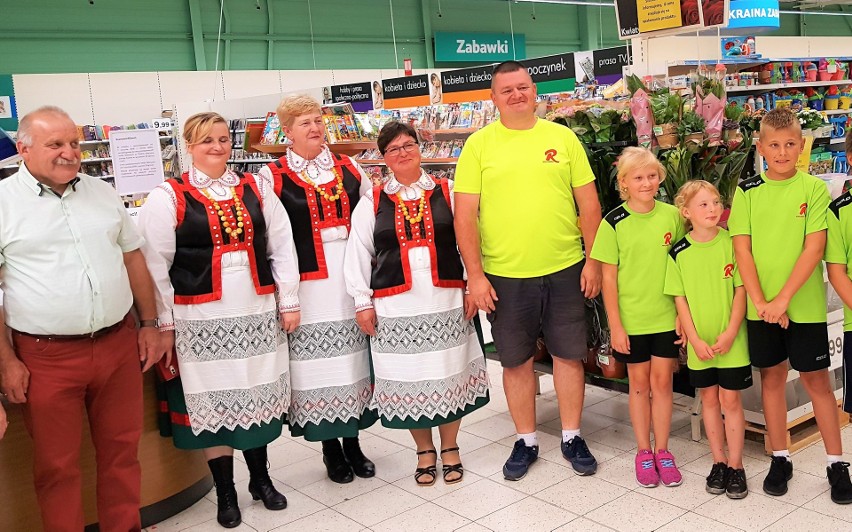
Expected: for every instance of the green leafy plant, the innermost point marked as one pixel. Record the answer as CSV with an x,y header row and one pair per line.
x,y
734,112
634,84
690,123
721,165
666,107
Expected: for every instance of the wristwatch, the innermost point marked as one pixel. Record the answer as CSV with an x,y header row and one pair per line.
x,y
155,323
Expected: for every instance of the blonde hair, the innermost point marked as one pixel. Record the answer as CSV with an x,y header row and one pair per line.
x,y
780,118
634,158
688,191
197,127
294,106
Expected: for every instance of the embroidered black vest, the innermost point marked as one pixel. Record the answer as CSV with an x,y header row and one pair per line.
x,y
394,236
196,273
309,212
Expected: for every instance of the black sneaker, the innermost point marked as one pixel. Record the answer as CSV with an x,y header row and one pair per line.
x,y
577,453
717,479
841,487
519,461
736,488
780,471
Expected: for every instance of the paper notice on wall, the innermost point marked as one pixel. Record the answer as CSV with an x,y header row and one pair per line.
x,y
137,161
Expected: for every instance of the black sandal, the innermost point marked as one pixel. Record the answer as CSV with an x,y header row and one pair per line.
x,y
431,470
452,468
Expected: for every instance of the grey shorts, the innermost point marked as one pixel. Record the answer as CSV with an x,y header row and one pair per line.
x,y
552,306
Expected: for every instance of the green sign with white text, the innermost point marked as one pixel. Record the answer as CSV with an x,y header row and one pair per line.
x,y
478,47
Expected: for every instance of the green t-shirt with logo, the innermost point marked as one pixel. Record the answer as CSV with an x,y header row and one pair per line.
x,y
778,215
838,246
638,243
706,274
525,180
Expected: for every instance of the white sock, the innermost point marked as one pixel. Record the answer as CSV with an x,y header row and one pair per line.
x,y
530,439
569,434
785,453
832,458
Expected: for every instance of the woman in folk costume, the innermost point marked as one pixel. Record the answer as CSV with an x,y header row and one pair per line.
x,y
404,270
329,356
218,245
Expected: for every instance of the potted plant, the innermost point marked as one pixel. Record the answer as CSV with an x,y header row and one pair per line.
x,y
691,128
731,125
666,108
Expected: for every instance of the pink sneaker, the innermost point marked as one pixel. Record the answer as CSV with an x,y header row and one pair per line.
x,y
646,473
669,474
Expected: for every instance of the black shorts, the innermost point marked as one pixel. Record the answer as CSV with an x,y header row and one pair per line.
x,y
552,305
847,372
727,378
644,346
805,345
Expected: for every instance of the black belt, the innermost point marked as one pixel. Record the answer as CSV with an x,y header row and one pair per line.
x,y
71,337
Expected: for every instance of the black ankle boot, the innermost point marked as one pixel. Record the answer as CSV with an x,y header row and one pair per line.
x,y
361,465
335,462
228,513
260,485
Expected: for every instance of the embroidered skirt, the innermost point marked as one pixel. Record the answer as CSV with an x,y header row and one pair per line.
x,y
233,357
428,362
329,359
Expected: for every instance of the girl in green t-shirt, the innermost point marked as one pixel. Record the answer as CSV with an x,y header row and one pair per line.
x,y
632,243
711,305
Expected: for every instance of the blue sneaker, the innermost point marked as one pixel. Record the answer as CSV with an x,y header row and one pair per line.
x,y
519,461
577,452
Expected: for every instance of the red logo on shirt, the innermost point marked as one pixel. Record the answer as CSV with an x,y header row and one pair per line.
x,y
550,156
667,239
803,208
729,271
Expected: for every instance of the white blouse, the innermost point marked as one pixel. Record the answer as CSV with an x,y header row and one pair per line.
x,y
361,250
158,220
321,166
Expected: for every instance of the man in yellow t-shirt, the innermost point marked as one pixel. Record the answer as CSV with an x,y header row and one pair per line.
x,y
519,183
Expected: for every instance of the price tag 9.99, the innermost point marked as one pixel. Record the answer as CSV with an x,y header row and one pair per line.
x,y
835,344
161,123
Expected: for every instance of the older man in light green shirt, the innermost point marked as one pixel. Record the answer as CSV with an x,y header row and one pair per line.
x,y
70,269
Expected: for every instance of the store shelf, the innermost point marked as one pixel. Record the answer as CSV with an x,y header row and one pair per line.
x,y
838,112
96,160
234,161
837,141
775,86
452,131
90,142
110,176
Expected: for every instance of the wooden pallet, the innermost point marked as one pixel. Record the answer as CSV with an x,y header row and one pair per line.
x,y
801,432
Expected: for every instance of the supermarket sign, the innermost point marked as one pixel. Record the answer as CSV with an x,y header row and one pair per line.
x,y
479,47
753,14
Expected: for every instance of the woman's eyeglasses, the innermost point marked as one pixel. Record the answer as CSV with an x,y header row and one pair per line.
x,y
409,147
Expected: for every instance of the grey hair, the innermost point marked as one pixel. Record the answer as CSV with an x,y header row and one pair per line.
x,y
25,125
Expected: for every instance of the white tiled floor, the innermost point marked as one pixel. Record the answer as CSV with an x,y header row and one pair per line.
x,y
551,497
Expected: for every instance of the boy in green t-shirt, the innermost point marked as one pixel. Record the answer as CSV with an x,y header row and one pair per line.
x,y
838,256
778,222
711,304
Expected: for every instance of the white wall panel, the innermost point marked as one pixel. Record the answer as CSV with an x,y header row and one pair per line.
x,y
68,91
190,87
248,83
125,98
299,80
342,77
